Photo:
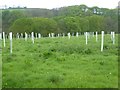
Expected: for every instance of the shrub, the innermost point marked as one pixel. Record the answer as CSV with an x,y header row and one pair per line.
x,y
47,54
54,79
87,51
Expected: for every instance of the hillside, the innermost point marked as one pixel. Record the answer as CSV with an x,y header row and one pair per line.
x,y
59,15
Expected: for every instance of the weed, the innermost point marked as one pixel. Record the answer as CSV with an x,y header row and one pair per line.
x,y
8,58
55,79
106,47
102,63
47,54
28,63
87,51
61,58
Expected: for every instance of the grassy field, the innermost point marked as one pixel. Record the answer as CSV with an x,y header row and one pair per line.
x,y
60,63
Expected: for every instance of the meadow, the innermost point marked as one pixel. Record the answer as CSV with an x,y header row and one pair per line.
x,y
60,63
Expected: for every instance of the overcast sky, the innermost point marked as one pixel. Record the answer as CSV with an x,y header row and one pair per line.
x,y
49,4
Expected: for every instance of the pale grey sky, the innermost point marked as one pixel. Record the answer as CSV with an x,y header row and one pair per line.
x,y
59,3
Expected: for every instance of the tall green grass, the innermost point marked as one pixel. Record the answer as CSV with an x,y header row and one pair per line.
x,y
60,63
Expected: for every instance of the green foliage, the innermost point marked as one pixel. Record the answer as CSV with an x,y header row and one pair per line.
x,y
31,12
84,24
69,24
22,25
67,19
72,24
110,24
42,25
55,79
8,17
96,23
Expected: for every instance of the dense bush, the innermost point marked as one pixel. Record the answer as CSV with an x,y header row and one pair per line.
x,y
65,24
41,25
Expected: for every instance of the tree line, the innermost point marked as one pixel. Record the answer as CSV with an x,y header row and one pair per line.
x,y
78,18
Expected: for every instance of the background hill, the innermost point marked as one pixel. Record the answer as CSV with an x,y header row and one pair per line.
x,y
78,18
